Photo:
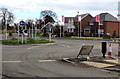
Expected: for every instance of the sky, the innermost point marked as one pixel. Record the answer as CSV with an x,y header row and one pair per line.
x,y
30,9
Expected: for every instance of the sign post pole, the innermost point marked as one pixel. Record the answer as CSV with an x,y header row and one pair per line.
x,y
25,35
22,38
49,34
18,33
22,23
6,29
35,32
32,30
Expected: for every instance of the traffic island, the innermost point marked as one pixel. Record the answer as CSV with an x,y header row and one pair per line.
x,y
97,62
15,41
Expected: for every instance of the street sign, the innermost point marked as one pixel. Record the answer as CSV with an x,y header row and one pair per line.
x,y
25,32
22,23
20,31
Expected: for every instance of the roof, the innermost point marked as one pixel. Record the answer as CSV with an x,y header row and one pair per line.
x,y
83,15
75,18
91,27
67,19
104,17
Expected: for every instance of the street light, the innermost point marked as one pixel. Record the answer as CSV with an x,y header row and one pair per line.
x,y
79,26
78,23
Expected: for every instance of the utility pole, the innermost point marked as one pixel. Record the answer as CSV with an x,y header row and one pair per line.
x,y
79,24
32,29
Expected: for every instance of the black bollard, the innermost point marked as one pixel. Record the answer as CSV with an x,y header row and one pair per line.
x,y
104,48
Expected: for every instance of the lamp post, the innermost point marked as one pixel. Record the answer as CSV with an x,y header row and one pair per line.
x,y
118,25
118,19
79,24
32,28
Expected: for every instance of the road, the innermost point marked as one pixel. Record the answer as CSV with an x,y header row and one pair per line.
x,y
43,60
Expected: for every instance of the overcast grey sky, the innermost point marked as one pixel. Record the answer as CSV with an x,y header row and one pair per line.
x,y
30,9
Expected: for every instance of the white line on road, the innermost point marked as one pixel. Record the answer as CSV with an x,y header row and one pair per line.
x,y
41,61
32,47
11,61
64,45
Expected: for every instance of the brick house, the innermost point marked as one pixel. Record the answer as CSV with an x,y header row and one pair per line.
x,y
69,24
84,22
108,25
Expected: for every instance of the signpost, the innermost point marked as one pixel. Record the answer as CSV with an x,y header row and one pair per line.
x,y
22,23
49,26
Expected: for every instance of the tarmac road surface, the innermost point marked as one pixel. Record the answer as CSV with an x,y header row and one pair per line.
x,y
43,60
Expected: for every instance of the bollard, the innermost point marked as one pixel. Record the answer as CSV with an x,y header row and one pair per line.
x,y
118,49
104,48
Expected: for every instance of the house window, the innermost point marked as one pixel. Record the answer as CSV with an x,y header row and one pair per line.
x,y
100,23
86,32
91,24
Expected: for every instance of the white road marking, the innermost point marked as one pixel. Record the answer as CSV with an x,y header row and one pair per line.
x,y
65,45
41,61
32,47
11,61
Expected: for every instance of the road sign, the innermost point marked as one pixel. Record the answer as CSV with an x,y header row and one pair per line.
x,y
25,32
20,31
22,23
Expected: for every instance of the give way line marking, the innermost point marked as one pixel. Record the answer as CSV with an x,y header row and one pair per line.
x,y
41,61
11,61
32,47
65,45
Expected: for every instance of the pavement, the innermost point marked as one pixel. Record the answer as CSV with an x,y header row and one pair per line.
x,y
107,63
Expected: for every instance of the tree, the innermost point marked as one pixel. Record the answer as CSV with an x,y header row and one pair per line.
x,y
49,16
7,17
49,19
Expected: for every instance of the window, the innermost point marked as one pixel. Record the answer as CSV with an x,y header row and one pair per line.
x,y
91,24
100,23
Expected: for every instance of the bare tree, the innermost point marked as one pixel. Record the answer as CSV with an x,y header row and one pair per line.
x,y
7,17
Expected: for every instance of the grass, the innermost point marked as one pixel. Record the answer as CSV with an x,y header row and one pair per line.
x,y
89,38
37,35
29,41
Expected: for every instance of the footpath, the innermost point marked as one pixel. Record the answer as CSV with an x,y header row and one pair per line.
x,y
107,63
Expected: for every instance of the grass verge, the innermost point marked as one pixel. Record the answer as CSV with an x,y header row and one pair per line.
x,y
29,41
88,38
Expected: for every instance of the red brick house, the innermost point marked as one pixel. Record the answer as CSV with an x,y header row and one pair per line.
x,y
108,25
84,22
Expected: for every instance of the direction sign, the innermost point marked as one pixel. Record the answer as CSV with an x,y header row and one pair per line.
x,y
22,23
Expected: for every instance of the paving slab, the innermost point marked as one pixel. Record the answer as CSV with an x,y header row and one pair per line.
x,y
112,61
97,64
